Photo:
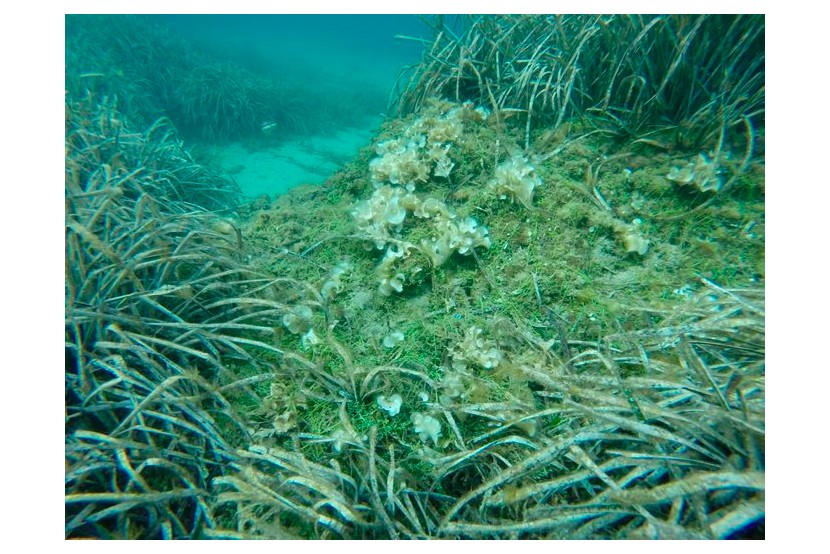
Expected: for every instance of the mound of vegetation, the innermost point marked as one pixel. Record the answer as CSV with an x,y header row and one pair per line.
x,y
591,353
497,322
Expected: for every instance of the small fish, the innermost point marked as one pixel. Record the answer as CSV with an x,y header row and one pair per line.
x,y
269,127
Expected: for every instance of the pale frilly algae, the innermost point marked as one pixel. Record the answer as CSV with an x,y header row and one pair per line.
x,y
383,213
422,151
392,280
381,218
427,427
516,178
702,172
475,349
390,405
400,162
461,237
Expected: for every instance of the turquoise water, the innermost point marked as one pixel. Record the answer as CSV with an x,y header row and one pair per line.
x,y
358,49
323,51
273,101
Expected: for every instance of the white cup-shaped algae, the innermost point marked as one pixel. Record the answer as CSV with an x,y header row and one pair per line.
x,y
391,405
392,339
427,427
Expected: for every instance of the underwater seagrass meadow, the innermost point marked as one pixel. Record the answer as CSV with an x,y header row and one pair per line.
x,y
526,302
